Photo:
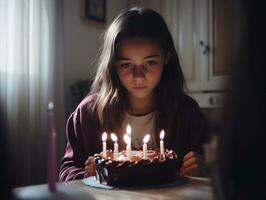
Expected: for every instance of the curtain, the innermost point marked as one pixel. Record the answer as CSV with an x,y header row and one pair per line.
x,y
30,77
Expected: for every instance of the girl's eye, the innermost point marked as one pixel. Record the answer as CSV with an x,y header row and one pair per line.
x,y
125,65
150,63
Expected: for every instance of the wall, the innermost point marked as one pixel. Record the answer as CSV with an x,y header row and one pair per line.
x,y
153,4
81,43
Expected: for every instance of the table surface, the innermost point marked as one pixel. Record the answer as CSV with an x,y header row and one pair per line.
x,y
194,189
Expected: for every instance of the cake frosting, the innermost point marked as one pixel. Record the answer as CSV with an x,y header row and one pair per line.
x,y
157,168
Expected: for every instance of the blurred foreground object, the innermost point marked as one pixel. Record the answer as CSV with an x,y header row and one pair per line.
x,y
241,147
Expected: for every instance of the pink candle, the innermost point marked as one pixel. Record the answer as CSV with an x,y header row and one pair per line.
x,y
52,149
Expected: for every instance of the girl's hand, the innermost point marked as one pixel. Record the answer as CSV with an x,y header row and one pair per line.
x,y
89,166
194,165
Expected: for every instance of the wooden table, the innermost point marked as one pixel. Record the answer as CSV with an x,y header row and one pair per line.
x,y
194,189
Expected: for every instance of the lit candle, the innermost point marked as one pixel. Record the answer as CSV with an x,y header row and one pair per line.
x,y
128,150
128,131
114,138
145,141
104,138
52,149
161,141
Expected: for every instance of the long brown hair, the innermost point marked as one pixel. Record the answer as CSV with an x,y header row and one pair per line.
x,y
112,101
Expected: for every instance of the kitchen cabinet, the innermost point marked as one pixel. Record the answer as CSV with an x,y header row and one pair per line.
x,y
203,32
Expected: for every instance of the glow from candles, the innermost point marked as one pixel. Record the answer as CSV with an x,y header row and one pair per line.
x,y
114,138
104,138
126,138
145,141
128,130
146,138
128,149
162,134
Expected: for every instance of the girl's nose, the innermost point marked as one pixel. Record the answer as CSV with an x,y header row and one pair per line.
x,y
138,72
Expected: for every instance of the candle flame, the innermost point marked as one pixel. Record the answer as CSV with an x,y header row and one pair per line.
x,y
128,130
162,134
104,137
126,139
114,137
146,138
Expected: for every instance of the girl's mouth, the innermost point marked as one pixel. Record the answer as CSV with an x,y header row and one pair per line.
x,y
139,87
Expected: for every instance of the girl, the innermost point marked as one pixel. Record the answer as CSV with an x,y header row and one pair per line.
x,y
139,82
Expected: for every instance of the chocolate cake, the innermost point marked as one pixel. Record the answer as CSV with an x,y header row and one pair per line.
x,y
156,169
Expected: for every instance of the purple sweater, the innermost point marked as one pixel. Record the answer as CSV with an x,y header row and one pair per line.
x,y
84,136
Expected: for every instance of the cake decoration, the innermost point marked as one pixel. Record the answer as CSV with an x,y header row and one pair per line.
x,y
135,167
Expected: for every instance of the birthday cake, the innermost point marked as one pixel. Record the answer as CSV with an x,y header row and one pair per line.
x,y
156,169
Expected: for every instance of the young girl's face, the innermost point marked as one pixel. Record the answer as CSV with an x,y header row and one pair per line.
x,y
139,66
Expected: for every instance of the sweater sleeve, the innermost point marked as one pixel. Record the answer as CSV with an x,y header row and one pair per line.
x,y
73,162
198,129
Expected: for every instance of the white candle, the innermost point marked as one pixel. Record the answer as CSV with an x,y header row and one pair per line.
x,y
128,150
104,138
161,141
144,151
128,131
115,151
145,141
114,138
